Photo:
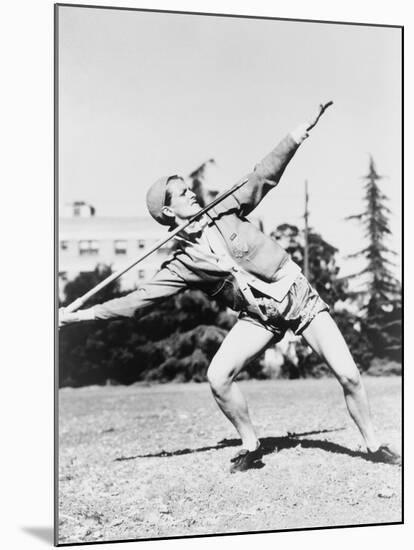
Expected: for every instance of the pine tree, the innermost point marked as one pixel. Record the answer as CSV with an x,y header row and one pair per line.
x,y
381,291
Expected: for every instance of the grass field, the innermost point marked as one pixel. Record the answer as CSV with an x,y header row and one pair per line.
x,y
143,462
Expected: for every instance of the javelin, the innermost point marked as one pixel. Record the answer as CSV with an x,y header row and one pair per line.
x,y
76,304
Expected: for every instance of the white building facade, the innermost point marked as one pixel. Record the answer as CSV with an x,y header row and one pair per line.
x,y
86,241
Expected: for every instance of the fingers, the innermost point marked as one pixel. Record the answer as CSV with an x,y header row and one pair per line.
x,y
300,133
65,318
69,317
61,319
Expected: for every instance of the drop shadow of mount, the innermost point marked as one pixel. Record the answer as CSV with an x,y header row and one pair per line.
x,y
44,534
269,445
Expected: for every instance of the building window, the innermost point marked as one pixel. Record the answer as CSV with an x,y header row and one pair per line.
x,y
141,274
88,248
64,245
120,247
141,243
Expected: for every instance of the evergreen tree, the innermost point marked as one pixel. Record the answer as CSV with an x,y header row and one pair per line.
x,y
173,340
381,292
324,277
87,280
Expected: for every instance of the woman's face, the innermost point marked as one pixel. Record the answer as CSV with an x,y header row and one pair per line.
x,y
183,204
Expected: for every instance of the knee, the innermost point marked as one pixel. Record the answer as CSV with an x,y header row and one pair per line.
x,y
220,376
350,381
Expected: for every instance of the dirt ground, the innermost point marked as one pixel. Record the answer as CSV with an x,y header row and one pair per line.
x,y
146,462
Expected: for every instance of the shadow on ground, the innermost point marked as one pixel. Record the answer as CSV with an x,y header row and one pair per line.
x,y
269,445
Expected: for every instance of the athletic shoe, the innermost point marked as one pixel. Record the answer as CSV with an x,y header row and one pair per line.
x,y
385,454
245,460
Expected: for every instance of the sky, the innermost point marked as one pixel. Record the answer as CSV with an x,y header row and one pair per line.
x,y
143,95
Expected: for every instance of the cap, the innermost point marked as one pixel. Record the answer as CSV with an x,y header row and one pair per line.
x,y
156,199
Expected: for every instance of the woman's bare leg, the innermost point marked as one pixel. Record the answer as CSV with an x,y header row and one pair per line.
x,y
244,341
326,340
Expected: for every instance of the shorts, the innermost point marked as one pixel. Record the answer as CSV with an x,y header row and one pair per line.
x,y
295,312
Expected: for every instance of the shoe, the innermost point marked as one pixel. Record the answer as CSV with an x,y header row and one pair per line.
x,y
245,460
385,454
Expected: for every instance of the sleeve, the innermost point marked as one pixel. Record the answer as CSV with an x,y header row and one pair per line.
x,y
266,174
164,284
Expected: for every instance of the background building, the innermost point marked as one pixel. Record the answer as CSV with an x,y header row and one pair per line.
x,y
86,240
